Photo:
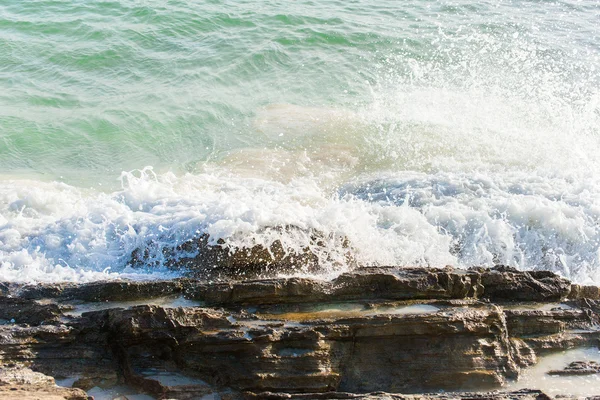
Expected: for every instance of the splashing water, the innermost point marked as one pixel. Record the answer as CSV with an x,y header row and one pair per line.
x,y
430,133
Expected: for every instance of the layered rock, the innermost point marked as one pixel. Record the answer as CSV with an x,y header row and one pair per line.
x,y
398,330
19,383
508,284
380,283
526,394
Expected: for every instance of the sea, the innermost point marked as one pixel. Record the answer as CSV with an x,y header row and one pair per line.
x,y
406,133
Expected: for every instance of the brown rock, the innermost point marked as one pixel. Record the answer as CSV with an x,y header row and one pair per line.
x,y
525,394
25,311
584,292
503,283
470,349
362,284
578,368
101,290
277,337
20,383
203,259
526,322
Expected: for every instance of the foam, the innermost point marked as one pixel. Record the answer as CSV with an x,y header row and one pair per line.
x,y
56,232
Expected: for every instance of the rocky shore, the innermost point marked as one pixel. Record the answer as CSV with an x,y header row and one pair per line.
x,y
375,333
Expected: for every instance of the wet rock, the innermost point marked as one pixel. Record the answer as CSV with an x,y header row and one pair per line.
x,y
470,349
363,284
58,350
503,283
543,344
584,292
276,337
525,322
380,283
264,291
4,289
24,376
555,329
101,291
578,368
525,394
202,258
166,385
391,283
25,311
407,283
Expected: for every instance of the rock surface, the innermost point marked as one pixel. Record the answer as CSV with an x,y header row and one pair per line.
x,y
202,258
578,368
19,383
526,394
393,330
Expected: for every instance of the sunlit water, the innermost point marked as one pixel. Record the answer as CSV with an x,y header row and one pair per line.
x,y
553,385
424,132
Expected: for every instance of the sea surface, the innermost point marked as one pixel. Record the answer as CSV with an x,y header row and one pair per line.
x,y
418,132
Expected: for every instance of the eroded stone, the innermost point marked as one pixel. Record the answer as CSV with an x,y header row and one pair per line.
x,y
272,336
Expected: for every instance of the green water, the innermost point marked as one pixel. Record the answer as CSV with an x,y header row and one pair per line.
x,y
422,132
92,88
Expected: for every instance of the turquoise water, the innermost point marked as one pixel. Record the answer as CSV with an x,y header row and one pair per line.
x,y
425,132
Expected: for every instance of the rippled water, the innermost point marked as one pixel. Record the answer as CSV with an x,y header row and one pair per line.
x,y
424,132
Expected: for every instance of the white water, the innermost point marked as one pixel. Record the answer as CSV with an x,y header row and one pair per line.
x,y
417,177
426,133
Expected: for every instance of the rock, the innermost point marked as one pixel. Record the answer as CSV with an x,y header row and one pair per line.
x,y
24,376
584,292
562,341
201,258
363,284
551,330
25,311
20,383
525,394
391,283
503,283
380,283
407,283
101,290
470,349
258,292
20,392
526,322
59,350
578,368
4,289
523,355
397,330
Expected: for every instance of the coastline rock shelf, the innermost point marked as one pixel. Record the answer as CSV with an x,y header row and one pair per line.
x,y
375,333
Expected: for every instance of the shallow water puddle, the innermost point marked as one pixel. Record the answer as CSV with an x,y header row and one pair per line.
x,y
167,378
553,385
345,310
109,392
118,392
537,306
167,302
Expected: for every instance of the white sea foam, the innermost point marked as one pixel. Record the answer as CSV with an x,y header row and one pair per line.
x,y
420,176
54,232
460,135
